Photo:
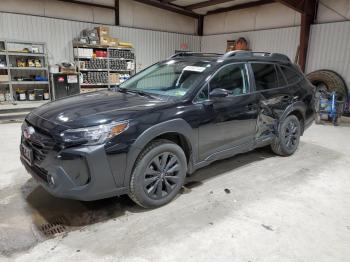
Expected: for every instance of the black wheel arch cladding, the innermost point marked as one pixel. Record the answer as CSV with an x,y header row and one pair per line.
x,y
175,126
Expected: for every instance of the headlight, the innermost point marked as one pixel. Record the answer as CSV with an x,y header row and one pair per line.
x,y
94,135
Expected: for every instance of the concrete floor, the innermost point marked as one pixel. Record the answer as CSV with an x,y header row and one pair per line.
x,y
253,207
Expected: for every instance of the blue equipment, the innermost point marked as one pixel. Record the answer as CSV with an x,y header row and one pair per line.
x,y
328,108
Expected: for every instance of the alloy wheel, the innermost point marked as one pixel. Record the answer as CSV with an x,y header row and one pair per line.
x,y
291,135
162,175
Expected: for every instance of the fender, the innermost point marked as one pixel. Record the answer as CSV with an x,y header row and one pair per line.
x,y
179,126
298,106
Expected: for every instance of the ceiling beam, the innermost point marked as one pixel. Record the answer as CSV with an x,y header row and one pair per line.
x,y
293,4
88,4
206,4
169,7
167,1
241,6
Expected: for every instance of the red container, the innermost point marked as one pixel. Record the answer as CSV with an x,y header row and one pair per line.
x,y
100,53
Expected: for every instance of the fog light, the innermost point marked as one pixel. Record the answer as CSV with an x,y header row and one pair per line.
x,y
50,180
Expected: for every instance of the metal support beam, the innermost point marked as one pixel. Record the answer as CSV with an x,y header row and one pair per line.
x,y
241,6
116,12
200,25
308,10
169,7
307,19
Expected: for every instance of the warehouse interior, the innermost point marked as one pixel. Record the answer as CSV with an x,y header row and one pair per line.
x,y
254,206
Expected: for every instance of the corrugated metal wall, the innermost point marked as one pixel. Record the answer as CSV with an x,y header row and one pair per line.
x,y
330,48
150,46
282,40
329,43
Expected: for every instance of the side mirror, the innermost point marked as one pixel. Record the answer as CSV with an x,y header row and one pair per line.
x,y
218,93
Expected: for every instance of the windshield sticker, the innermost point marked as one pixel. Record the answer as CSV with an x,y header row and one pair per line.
x,y
194,68
180,93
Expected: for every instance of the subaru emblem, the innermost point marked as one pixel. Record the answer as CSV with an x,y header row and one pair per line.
x,y
28,132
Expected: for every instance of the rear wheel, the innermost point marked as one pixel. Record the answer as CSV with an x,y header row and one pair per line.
x,y
158,175
288,138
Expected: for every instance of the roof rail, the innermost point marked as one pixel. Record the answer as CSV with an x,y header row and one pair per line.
x,y
242,53
194,54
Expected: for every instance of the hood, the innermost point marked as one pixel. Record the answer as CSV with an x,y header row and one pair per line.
x,y
92,109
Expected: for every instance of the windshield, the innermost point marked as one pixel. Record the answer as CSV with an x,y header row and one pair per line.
x,y
172,78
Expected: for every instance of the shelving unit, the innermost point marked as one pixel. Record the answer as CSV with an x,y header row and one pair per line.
x,y
105,67
23,77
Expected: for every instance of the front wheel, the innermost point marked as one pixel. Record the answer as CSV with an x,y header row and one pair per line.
x,y
288,137
158,175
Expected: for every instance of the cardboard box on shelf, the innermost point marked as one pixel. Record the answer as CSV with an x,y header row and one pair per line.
x,y
113,41
126,45
109,41
114,78
104,40
102,31
67,70
4,78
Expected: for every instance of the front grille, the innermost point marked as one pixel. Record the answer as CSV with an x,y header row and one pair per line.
x,y
40,148
40,143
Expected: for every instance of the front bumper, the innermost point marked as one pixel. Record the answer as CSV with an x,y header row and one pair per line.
x,y
83,173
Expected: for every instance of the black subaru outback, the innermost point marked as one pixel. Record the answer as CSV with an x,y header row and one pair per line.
x,y
142,137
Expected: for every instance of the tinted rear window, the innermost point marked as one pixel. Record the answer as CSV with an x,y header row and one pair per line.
x,y
281,79
291,75
265,76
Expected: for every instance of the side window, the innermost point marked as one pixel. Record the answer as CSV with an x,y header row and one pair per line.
x,y
203,94
265,76
291,75
280,77
233,78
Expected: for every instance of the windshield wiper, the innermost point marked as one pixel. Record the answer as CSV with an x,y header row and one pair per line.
x,y
139,92
142,93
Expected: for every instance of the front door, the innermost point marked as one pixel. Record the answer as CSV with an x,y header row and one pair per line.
x,y
230,122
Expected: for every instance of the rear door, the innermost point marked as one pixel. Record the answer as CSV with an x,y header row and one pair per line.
x,y
274,95
229,121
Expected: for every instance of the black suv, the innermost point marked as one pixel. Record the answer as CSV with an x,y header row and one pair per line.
x,y
142,137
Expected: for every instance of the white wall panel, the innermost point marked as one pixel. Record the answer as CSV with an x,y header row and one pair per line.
x,y
138,15
150,46
132,14
330,48
282,40
261,17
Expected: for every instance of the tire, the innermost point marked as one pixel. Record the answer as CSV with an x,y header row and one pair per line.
x,y
158,175
288,137
330,80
